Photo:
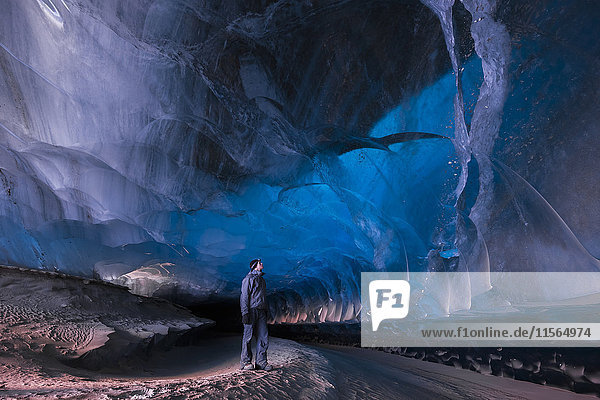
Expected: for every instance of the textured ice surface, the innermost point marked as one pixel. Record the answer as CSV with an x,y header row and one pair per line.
x,y
201,135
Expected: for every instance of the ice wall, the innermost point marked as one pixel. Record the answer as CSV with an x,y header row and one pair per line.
x,y
501,221
164,144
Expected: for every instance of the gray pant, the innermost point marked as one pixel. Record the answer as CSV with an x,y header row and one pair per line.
x,y
258,329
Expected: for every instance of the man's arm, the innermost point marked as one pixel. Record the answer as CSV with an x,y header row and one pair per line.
x,y
245,299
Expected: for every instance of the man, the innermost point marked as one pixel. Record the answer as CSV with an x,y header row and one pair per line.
x,y
253,303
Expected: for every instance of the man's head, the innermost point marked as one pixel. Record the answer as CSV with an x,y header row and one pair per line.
x,y
256,264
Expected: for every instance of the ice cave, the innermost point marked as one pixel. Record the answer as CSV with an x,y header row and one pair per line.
x,y
161,145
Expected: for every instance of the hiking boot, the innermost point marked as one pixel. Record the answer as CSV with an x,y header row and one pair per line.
x,y
247,367
266,368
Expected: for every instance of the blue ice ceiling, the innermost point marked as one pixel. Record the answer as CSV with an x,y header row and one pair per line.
x,y
164,144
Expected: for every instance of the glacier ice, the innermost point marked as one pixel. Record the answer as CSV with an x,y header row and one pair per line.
x,y
200,135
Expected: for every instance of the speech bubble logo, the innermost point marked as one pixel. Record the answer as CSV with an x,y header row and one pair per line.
x,y
389,300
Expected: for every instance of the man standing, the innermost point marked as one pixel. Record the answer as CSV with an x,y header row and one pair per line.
x,y
253,303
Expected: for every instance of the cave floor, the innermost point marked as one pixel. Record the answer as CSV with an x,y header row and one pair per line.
x,y
210,371
70,338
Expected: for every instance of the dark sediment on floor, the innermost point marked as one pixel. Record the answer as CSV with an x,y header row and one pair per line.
x,y
86,323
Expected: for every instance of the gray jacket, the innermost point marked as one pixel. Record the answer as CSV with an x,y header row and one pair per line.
x,y
254,290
